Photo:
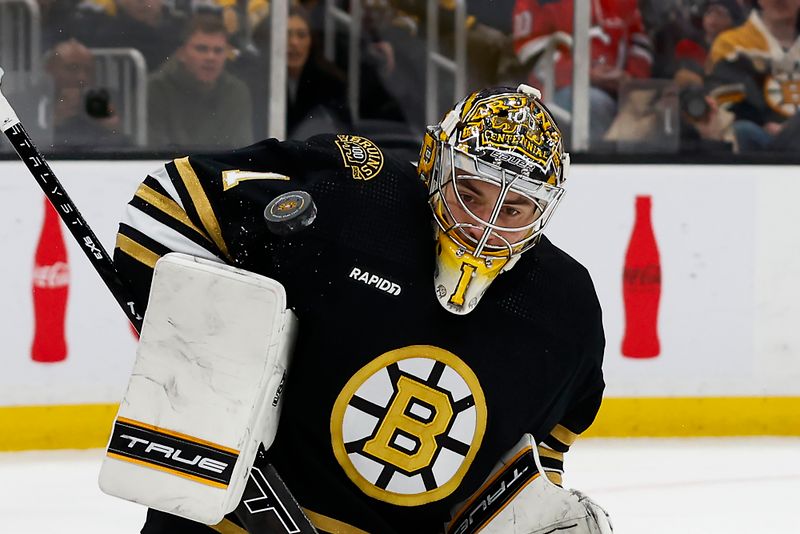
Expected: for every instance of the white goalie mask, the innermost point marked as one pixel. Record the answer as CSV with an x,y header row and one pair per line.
x,y
494,168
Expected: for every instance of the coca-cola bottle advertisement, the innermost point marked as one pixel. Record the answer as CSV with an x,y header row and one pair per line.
x,y
50,291
641,286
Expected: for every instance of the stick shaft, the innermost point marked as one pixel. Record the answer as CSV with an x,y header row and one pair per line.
x,y
264,520
74,221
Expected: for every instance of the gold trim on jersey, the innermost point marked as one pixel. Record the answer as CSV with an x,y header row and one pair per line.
x,y
379,448
331,525
227,527
564,435
136,251
544,452
167,206
554,477
201,203
746,39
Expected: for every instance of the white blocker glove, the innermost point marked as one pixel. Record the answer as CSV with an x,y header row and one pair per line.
x,y
518,498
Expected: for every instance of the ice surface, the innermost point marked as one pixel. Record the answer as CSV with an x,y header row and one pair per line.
x,y
691,486
649,486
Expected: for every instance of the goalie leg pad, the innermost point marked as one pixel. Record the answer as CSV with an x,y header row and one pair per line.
x,y
205,389
518,498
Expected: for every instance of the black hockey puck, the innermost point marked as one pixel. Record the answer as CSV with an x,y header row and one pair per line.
x,y
290,212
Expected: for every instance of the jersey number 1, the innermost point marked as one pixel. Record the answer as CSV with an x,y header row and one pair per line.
x,y
467,271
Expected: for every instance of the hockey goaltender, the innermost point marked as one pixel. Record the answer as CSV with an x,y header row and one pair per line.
x,y
432,354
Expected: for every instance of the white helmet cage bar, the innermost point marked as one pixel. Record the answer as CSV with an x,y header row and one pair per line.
x,y
453,165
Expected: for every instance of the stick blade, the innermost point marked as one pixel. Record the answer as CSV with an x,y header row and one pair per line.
x,y
268,506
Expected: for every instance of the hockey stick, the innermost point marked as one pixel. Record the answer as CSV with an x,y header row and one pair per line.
x,y
38,167
274,509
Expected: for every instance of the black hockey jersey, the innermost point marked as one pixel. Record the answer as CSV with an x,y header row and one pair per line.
x,y
395,409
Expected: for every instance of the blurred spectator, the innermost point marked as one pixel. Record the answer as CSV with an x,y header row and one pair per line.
x,y
656,13
316,99
316,90
57,22
494,13
147,25
705,126
82,114
257,11
490,52
670,21
666,22
691,52
401,29
109,7
620,50
377,61
192,100
647,119
755,69
748,5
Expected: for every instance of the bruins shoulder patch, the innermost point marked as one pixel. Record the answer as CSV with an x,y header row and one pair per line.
x,y
360,155
407,426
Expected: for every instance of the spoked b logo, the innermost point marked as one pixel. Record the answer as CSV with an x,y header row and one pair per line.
x,y
407,426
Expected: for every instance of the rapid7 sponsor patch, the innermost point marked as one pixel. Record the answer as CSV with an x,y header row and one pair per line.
x,y
375,281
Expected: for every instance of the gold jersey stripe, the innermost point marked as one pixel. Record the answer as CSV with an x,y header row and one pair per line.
x,y
331,525
554,477
168,206
136,251
564,435
746,40
168,470
227,527
175,434
201,203
550,453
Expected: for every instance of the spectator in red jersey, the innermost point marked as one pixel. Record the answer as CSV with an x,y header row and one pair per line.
x,y
619,45
691,52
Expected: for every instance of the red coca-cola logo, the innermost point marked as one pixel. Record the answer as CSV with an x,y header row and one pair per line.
x,y
646,275
48,276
